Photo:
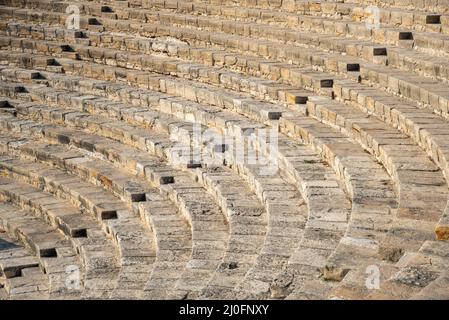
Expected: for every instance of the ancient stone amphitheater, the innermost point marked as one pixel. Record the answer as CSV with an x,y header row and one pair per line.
x,y
223,149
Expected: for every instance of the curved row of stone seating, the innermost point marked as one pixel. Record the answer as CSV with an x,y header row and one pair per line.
x,y
412,17
100,253
300,6
439,5
272,44
48,98
403,58
340,91
323,6
221,119
105,207
20,275
267,108
368,23
398,57
343,13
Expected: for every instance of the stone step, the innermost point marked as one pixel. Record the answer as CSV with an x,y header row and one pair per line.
x,y
364,30
243,210
361,240
426,129
321,189
394,150
360,30
15,258
129,188
174,241
236,123
199,92
313,14
394,5
416,189
245,196
311,7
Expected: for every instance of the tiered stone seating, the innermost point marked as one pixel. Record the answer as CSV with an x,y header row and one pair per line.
x,y
96,123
